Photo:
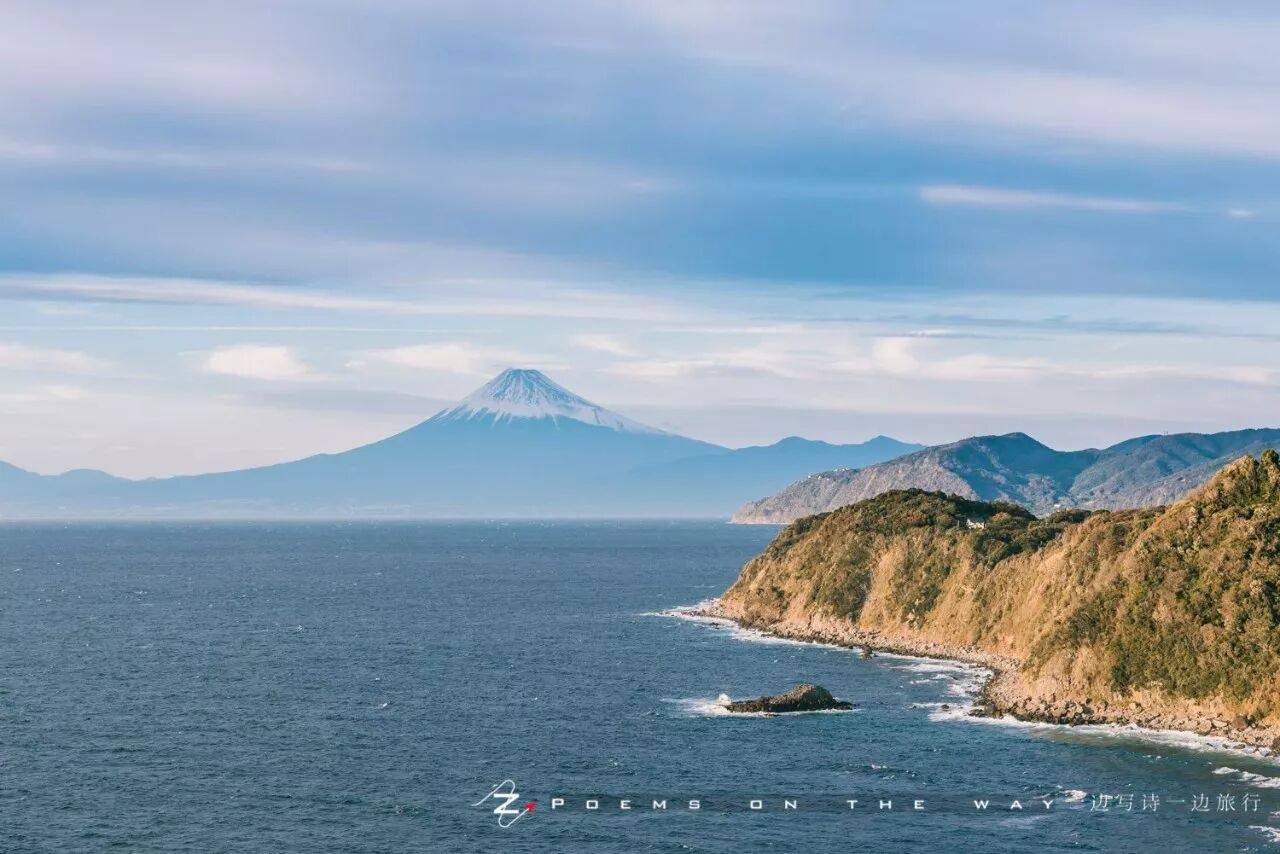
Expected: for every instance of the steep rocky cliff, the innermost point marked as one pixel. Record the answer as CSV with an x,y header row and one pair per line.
x,y
1166,616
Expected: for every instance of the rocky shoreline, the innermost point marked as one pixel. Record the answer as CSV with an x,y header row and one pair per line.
x,y
1002,694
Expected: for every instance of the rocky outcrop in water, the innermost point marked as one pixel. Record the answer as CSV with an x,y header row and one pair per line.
x,y
802,698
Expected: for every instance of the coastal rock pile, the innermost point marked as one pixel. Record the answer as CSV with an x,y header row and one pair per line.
x,y
802,698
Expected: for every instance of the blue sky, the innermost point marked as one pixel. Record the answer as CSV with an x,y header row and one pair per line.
x,y
240,232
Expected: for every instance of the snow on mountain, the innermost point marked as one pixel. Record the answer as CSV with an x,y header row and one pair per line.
x,y
529,393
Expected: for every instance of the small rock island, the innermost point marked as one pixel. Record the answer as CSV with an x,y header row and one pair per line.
x,y
802,698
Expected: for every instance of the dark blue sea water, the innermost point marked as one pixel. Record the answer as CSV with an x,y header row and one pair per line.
x,y
357,687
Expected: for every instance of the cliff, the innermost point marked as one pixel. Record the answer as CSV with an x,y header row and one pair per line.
x,y
1168,616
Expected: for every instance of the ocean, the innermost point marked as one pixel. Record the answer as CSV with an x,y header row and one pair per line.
x,y
366,687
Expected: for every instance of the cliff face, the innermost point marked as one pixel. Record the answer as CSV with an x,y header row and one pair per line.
x,y
1141,472
1164,616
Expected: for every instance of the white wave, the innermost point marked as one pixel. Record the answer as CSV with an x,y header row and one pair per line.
x,y
1260,780
1124,733
966,689
1072,796
1249,778
966,680
687,612
1024,820
719,707
1272,833
962,712
737,632
932,665
704,707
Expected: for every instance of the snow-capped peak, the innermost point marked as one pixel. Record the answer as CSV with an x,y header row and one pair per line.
x,y
529,393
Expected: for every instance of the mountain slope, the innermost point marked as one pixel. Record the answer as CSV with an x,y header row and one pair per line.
x,y
50,490
521,445
711,480
1164,616
1138,472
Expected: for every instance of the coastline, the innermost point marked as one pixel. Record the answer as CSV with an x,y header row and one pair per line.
x,y
999,696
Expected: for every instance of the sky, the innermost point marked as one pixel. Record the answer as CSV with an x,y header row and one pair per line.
x,y
236,233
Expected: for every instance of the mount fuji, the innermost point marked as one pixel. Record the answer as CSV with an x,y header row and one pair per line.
x,y
526,393
521,445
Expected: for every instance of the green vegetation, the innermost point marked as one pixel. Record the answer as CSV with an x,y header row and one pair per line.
x,y
842,580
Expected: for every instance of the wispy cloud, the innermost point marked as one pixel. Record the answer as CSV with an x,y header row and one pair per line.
x,y
449,357
249,58
910,358
345,400
171,291
22,357
979,79
959,194
29,153
513,298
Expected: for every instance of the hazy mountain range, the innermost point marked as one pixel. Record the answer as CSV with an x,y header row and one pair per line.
x,y
1138,472
521,445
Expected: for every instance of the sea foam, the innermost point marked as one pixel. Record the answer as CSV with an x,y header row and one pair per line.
x,y
719,707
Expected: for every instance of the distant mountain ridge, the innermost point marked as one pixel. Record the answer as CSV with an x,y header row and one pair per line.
x,y
1139,472
521,445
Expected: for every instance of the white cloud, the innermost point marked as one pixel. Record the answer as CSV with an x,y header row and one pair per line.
x,y
604,344
959,194
449,357
20,357
894,355
257,361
